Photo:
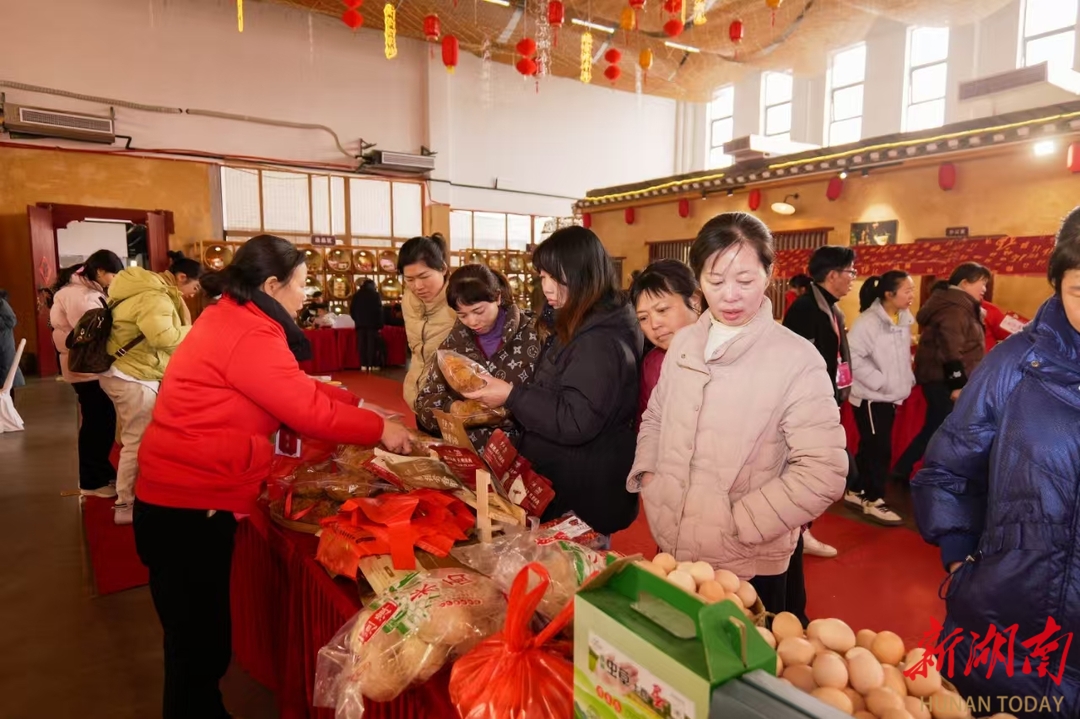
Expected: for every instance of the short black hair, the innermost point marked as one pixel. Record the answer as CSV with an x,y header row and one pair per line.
x,y
801,282
969,272
664,277
431,251
726,230
1066,254
471,284
828,259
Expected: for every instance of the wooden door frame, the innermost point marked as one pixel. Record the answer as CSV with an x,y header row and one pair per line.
x,y
45,258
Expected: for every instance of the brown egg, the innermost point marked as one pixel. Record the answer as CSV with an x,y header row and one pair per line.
x,y
666,562
894,679
921,685
767,636
728,580
702,572
880,699
795,650
682,580
896,714
801,676
945,704
857,701
916,708
833,697
818,646
865,672
830,671
865,638
651,567
786,624
747,594
888,647
779,666
734,598
856,651
813,628
863,714
711,591
836,635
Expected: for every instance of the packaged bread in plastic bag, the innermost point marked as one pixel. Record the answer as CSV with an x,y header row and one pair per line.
x,y
405,636
568,564
461,373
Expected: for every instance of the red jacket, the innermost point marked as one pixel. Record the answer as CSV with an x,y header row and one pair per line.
x,y
650,375
229,386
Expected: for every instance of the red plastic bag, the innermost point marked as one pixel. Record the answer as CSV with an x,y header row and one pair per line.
x,y
513,675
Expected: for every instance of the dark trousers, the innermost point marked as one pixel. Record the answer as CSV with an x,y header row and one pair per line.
x,y
875,423
189,556
785,592
369,345
97,434
938,406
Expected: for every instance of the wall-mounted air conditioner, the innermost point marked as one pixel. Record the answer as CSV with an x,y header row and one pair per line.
x,y
42,122
398,162
1019,89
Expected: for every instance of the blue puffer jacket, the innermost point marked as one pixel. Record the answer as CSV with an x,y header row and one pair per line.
x,y
1000,492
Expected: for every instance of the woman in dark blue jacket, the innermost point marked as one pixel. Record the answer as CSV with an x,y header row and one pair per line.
x,y
1000,495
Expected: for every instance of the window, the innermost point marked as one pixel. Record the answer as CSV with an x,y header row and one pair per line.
x,y
847,72
776,104
721,120
924,91
497,231
1048,33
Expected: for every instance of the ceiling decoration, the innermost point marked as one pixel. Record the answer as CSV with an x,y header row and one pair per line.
x,y
775,35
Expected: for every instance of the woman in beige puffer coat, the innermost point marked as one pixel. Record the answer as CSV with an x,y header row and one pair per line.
x,y
741,443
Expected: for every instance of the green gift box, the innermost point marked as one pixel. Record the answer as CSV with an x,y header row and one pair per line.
x,y
646,649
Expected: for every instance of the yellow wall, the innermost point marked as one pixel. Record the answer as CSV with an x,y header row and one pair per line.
x,y
1011,193
29,176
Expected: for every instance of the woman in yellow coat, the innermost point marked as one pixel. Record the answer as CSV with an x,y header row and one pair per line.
x,y
428,318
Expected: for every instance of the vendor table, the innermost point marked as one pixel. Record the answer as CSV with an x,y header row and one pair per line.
x,y
285,607
334,350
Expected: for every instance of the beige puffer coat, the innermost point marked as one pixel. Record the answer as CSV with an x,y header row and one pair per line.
x,y
426,326
745,448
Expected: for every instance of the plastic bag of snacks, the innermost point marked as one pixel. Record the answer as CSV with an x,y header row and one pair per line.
x,y
461,373
473,413
311,494
567,564
405,636
513,674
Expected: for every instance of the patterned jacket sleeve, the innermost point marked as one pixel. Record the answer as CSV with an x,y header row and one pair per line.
x,y
434,394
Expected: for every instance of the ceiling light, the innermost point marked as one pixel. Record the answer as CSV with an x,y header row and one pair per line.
x,y
586,23
785,207
1044,148
503,3
677,46
843,175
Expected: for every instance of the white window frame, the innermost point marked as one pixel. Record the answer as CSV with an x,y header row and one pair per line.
x,y
910,73
833,89
1021,51
765,107
710,120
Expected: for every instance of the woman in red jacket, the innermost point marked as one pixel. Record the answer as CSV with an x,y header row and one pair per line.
x,y
232,383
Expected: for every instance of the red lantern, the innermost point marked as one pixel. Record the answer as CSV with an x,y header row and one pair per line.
x,y
754,199
526,66
556,13
613,56
612,72
432,28
736,31
836,186
586,220
628,214
946,176
1072,158
673,6
673,28
684,208
352,18
526,47
450,52
637,4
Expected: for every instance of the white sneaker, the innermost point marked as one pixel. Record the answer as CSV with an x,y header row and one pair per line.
x,y
106,492
879,512
815,547
123,513
854,498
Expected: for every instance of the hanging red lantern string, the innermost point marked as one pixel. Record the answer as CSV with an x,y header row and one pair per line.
x,y
613,56
612,72
637,6
526,47
736,31
684,208
628,213
556,18
353,19
673,28
526,66
432,31
450,52
586,220
753,200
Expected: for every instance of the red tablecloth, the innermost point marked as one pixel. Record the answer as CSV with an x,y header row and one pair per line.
x,y
396,346
909,421
325,357
334,350
285,607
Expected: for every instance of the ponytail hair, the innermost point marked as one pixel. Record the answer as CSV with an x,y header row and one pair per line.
x,y
477,283
257,260
876,287
100,261
184,265
429,250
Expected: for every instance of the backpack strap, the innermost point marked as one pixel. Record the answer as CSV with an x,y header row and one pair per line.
x,y
130,345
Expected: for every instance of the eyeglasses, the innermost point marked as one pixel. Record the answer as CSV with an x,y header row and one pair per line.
x,y
850,272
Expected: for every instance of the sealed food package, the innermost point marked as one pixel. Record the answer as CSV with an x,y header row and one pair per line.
x,y
416,472
474,413
568,564
405,636
516,673
351,456
464,463
305,498
461,373
571,528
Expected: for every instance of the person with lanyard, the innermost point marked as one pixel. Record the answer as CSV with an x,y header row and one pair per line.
x,y
815,316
